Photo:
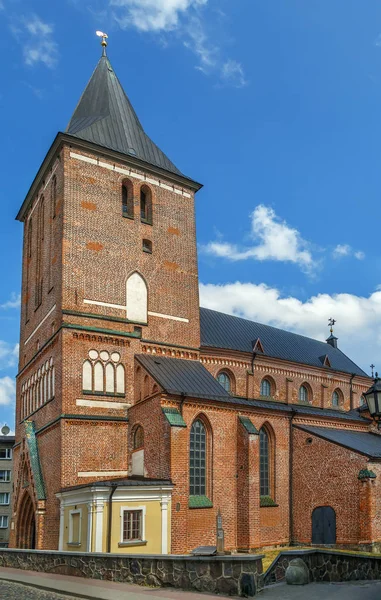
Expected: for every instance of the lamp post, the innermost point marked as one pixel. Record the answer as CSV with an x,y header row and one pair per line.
x,y
373,400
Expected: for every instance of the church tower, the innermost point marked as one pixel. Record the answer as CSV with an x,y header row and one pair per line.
x,y
109,271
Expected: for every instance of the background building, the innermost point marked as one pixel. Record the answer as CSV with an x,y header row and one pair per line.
x,y
6,482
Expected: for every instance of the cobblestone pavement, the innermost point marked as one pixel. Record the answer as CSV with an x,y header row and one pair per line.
x,y
16,591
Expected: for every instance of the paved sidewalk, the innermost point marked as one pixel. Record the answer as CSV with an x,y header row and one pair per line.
x,y
359,590
95,589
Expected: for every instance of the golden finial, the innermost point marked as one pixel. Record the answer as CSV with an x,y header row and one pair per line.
x,y
104,37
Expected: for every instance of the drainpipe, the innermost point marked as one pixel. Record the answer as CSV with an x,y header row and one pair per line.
x,y
290,492
351,390
181,403
252,362
109,528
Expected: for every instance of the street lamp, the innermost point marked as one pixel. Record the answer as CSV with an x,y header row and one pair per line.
x,y
373,400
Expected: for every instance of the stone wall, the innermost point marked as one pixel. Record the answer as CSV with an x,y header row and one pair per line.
x,y
228,575
330,566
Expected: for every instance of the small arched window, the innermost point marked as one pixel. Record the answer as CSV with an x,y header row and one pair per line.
x,y
224,380
146,205
303,394
265,387
197,459
139,438
127,199
336,398
146,386
264,462
147,246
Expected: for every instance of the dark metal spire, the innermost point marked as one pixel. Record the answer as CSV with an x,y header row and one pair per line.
x,y
105,116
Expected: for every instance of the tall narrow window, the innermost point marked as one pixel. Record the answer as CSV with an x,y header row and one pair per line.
x,y
54,196
264,463
28,259
335,399
303,394
132,526
146,205
39,267
87,379
51,230
224,380
265,387
127,199
139,438
197,459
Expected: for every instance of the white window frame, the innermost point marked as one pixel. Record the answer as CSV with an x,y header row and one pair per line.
x,y
8,451
71,513
8,497
124,509
2,517
9,475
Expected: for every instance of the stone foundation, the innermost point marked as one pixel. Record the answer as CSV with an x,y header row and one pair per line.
x,y
326,565
228,575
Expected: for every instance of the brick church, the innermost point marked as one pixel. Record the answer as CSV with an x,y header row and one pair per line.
x,y
140,416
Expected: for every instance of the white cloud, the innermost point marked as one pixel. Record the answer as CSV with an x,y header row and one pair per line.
x,y
13,302
232,73
153,15
8,354
358,318
7,390
274,240
36,38
343,250
184,19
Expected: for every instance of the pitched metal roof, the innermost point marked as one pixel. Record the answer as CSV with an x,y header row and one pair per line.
x,y
219,330
105,116
178,376
362,442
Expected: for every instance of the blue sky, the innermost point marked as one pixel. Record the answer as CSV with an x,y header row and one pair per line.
x,y
275,106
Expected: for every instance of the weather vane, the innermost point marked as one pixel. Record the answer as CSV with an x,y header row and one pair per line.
x,y
372,367
104,37
331,323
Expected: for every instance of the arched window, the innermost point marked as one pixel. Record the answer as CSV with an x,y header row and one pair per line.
x,y
264,462
303,394
110,378
120,379
265,387
87,370
197,459
224,380
139,438
40,239
335,398
127,199
137,298
147,246
98,377
145,205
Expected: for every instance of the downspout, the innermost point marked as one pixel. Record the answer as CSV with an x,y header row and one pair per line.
x,y
290,491
252,362
182,402
109,528
351,390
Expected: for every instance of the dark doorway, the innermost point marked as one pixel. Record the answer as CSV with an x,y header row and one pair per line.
x,y
324,526
26,524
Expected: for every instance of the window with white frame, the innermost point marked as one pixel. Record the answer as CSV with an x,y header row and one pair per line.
x,y
75,527
133,524
3,521
6,453
5,475
4,498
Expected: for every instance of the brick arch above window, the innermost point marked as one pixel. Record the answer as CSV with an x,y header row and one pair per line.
x,y
337,399
146,204
268,387
305,393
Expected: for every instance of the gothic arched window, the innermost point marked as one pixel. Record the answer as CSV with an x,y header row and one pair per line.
x,y
137,298
197,459
127,199
224,380
264,462
265,387
336,398
303,394
146,205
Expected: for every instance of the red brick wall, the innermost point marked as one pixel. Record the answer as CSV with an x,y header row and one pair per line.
x,y
325,474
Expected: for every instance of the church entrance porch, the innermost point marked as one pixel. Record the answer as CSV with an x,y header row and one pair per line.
x,y
26,524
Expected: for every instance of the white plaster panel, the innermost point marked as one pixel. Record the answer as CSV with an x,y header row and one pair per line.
x,y
136,294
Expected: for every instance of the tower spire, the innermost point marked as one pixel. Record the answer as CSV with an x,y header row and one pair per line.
x,y
104,37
